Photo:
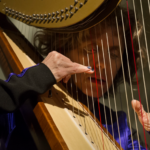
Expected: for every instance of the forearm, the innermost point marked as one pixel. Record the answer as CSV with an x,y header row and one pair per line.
x,y
17,88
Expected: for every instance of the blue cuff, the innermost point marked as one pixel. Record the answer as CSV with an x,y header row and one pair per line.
x,y
19,75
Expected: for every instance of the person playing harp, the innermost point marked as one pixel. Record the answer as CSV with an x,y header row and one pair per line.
x,y
103,48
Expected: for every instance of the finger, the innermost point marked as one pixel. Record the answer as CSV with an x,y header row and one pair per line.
x,y
66,79
137,107
77,68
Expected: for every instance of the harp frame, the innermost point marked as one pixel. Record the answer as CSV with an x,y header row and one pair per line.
x,y
55,141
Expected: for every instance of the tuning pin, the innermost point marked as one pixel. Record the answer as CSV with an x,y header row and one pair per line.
x,y
34,15
49,19
53,14
76,9
62,17
81,4
71,14
66,9
54,18
62,11
71,6
75,1
67,15
45,15
57,12
49,14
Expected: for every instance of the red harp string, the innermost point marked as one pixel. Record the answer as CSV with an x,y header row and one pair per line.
x,y
136,72
97,88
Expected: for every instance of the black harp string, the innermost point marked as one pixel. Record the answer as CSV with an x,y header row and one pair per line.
x,y
129,74
107,84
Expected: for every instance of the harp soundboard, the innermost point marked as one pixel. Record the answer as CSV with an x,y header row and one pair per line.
x,y
28,32
62,127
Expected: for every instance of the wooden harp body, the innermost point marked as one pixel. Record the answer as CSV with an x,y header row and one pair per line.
x,y
60,124
63,125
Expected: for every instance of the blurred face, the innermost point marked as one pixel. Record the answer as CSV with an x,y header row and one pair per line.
x,y
105,60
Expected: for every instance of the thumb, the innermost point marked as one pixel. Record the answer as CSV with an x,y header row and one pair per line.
x,y
137,106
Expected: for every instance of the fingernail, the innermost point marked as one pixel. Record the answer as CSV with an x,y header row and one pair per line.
x,y
89,67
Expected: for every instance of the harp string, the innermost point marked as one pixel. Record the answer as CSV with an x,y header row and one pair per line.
x,y
141,56
148,6
145,41
101,82
96,86
76,85
120,97
140,49
128,112
130,77
113,86
136,72
93,129
124,78
107,81
87,102
92,93
91,89
108,50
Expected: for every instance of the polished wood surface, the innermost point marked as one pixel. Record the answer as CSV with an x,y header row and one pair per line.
x,y
50,130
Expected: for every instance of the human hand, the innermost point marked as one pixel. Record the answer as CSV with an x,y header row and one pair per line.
x,y
62,67
146,116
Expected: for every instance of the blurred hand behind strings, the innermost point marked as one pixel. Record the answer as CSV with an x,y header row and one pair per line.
x,y
146,116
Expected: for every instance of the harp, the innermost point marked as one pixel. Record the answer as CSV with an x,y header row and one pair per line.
x,y
60,93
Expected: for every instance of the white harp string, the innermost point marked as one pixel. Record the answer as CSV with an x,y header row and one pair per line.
x,y
92,92
107,89
76,86
120,48
130,76
146,51
87,100
113,86
101,82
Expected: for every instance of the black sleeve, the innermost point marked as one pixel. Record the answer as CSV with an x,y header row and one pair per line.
x,y
17,88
